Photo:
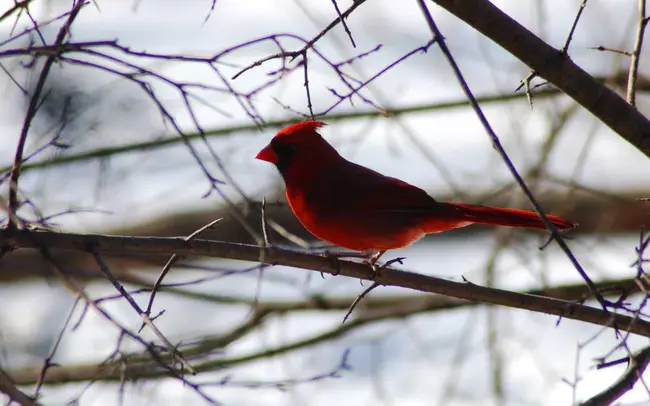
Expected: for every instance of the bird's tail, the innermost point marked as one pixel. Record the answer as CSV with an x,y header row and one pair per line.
x,y
465,214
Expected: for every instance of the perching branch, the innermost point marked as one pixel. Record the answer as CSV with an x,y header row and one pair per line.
x,y
275,256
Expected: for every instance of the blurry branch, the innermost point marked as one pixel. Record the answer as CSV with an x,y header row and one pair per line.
x,y
166,141
288,383
637,361
18,7
146,320
636,366
48,362
141,366
8,387
156,353
575,292
284,384
34,103
555,67
276,256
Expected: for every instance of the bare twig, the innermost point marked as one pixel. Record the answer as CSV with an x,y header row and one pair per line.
x,y
145,317
525,82
569,38
636,53
308,45
553,66
636,366
48,363
357,300
170,262
18,7
345,26
72,285
8,387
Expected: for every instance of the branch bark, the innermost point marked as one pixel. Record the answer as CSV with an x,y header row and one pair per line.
x,y
556,67
120,245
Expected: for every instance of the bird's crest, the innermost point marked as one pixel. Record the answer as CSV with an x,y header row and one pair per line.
x,y
305,127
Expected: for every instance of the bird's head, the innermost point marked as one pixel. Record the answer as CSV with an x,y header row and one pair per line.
x,y
298,148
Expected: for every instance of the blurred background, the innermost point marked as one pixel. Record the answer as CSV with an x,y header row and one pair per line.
x,y
106,155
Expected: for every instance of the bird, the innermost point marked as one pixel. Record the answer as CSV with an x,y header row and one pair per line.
x,y
357,208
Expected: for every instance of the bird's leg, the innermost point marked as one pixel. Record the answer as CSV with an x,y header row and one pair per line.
x,y
369,257
372,258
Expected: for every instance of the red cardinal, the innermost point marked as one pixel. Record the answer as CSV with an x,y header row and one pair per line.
x,y
357,208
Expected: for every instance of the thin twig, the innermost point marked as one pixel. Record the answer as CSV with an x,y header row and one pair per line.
x,y
603,102
345,26
637,365
170,262
145,317
569,38
151,349
636,53
357,300
47,363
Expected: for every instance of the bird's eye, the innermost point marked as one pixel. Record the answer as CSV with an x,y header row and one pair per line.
x,y
285,149
285,152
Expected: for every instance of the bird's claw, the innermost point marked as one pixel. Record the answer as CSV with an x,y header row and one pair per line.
x,y
399,260
335,262
376,268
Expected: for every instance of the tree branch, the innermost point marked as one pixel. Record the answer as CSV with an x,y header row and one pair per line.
x,y
638,363
555,67
276,256
8,387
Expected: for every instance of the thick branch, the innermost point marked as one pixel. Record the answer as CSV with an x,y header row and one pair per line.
x,y
555,67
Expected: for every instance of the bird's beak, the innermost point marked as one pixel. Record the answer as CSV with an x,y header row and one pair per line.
x,y
268,155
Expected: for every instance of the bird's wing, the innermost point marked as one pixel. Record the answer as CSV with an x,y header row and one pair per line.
x,y
362,187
